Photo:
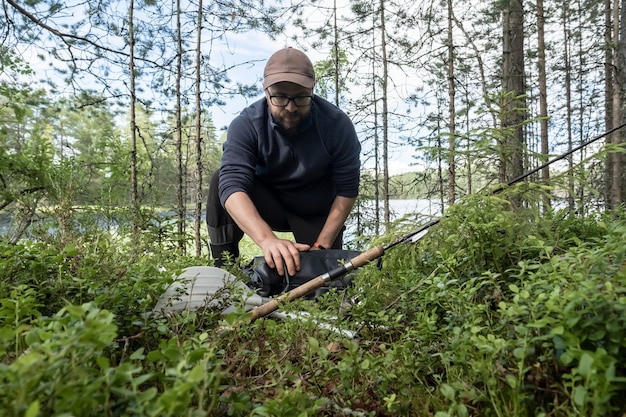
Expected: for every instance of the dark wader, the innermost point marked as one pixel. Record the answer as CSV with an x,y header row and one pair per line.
x,y
224,234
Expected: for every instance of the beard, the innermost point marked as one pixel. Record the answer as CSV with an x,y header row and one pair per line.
x,y
290,121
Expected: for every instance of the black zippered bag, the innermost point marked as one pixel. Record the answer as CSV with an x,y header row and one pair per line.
x,y
267,283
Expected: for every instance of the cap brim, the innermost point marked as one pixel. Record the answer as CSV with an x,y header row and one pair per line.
x,y
290,77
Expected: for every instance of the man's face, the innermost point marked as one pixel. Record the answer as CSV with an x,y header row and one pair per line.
x,y
289,116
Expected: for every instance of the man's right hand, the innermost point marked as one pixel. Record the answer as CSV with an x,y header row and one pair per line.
x,y
278,252
281,253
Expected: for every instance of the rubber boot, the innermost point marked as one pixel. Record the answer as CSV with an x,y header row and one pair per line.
x,y
224,254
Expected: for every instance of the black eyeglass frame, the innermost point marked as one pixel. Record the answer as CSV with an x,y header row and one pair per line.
x,y
289,99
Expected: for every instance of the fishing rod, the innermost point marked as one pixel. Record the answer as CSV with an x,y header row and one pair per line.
x,y
379,250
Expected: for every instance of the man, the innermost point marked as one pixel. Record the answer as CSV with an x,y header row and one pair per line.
x,y
290,163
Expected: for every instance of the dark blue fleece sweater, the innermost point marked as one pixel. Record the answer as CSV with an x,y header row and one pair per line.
x,y
306,171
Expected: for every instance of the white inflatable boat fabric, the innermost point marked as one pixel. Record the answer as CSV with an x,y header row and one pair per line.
x,y
198,285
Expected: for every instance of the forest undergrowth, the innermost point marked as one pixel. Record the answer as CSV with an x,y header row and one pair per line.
x,y
496,312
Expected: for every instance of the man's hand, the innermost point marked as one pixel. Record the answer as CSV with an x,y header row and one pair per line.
x,y
281,253
277,252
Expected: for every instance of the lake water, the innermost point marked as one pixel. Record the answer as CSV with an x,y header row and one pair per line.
x,y
410,213
409,210
399,208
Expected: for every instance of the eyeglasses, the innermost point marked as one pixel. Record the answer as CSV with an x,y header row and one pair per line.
x,y
283,101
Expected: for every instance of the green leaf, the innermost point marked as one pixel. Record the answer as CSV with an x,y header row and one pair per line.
x,y
447,391
585,365
511,380
32,337
70,251
558,330
580,395
138,354
45,335
196,374
33,409
519,353
155,355
314,343
103,363
147,395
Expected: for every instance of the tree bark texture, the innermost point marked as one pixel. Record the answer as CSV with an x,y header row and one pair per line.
x,y
134,195
543,97
385,81
514,88
180,177
451,110
199,167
